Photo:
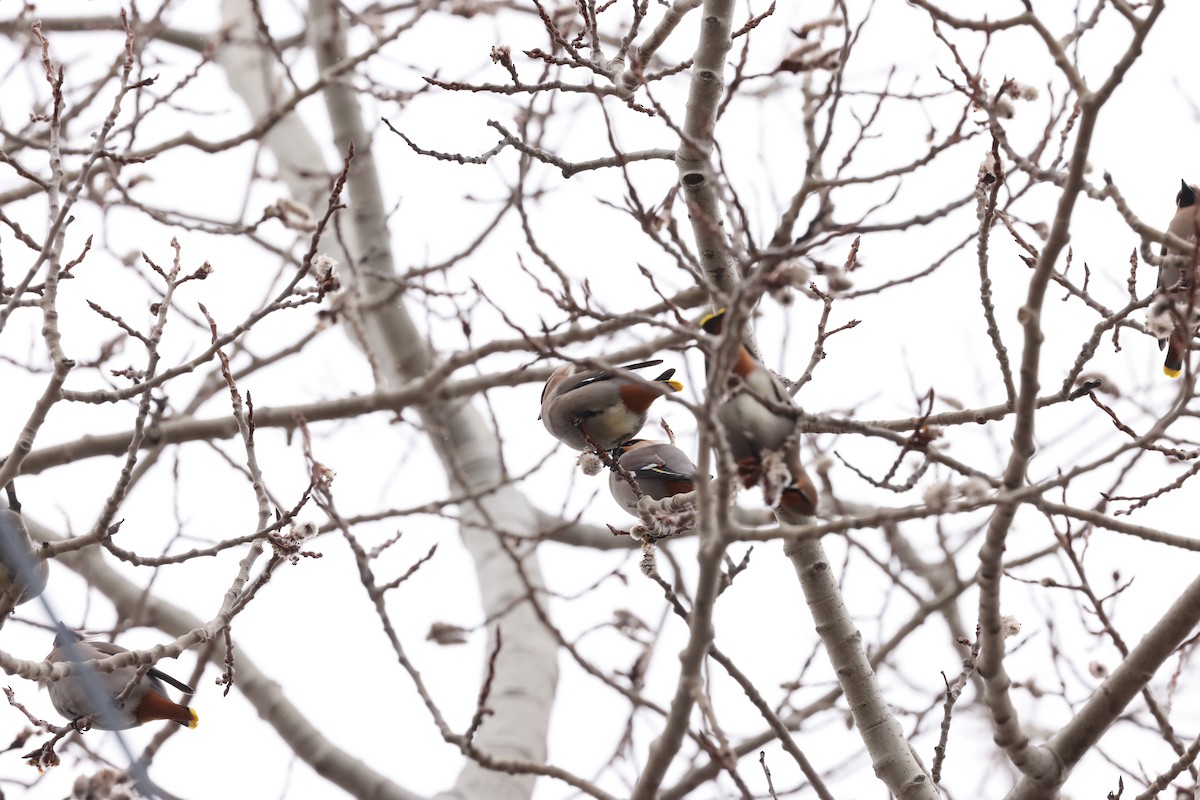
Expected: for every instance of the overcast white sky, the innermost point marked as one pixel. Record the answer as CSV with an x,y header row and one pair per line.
x,y
927,335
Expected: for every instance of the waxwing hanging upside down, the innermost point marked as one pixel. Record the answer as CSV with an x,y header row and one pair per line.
x,y
19,563
753,428
608,406
661,470
147,702
1183,225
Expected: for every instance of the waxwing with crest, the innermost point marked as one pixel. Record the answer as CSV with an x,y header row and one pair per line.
x,y
755,417
660,470
147,702
1174,281
610,406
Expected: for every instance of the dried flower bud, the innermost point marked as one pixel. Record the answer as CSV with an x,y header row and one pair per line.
x,y
444,633
590,463
837,280
975,489
303,530
984,178
323,266
939,495
647,565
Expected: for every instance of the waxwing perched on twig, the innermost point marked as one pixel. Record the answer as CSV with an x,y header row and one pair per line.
x,y
660,470
758,426
147,702
610,407
18,559
1176,283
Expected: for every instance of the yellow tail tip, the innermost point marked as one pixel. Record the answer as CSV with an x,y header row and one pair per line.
x,y
711,323
676,386
195,720
1170,373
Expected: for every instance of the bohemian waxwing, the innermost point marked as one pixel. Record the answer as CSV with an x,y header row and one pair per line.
x,y
661,470
609,407
800,496
18,558
1183,225
753,428
146,703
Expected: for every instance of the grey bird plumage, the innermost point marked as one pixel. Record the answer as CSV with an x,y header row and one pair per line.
x,y
19,563
754,416
660,470
1174,281
611,406
147,702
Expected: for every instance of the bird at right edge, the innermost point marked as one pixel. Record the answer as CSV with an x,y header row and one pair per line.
x,y
1174,282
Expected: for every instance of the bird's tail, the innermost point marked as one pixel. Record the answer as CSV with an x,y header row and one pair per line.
x,y
676,386
713,323
155,706
1176,347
